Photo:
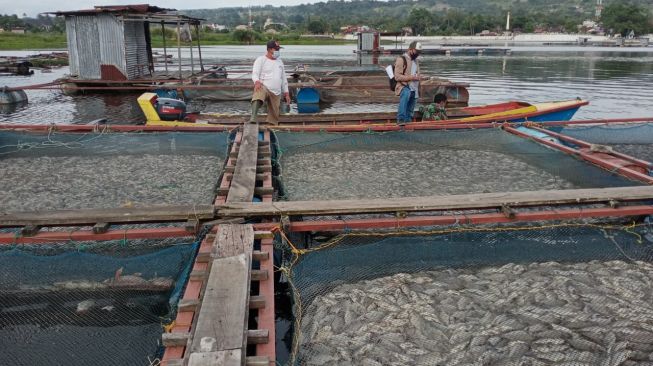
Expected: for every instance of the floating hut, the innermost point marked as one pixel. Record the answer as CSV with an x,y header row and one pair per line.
x,y
113,43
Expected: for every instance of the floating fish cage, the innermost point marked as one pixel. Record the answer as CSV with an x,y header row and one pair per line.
x,y
539,252
567,292
87,302
104,169
326,165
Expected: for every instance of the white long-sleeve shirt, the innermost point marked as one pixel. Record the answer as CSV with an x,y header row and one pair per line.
x,y
271,73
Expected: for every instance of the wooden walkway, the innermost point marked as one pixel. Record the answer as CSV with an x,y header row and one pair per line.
x,y
222,303
437,203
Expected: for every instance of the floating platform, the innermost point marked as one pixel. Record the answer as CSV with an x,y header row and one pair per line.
x,y
462,51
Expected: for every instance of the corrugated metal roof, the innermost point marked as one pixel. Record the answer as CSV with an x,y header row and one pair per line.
x,y
137,9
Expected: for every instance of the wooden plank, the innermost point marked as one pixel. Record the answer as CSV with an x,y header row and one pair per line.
x,y
263,235
101,227
112,215
233,240
223,316
260,256
221,358
257,336
174,339
257,361
438,203
244,179
188,305
224,311
256,302
259,275
30,230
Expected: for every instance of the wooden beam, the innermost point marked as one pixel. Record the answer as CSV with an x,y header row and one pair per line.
x,y
111,215
438,203
244,179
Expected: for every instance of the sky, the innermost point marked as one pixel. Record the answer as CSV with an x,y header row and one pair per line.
x,y
34,7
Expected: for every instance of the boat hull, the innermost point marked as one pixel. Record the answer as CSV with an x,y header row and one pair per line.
x,y
494,113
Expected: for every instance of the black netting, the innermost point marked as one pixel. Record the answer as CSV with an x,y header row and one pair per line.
x,y
320,166
557,294
104,170
81,303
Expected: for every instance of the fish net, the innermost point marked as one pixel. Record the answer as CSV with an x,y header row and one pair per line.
x,y
48,171
89,302
322,166
565,293
635,140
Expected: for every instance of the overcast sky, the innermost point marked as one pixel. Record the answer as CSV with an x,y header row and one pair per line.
x,y
34,7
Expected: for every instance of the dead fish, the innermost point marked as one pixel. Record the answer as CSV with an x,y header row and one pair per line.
x,y
84,306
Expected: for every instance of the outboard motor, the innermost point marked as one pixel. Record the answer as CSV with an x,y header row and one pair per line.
x,y
170,109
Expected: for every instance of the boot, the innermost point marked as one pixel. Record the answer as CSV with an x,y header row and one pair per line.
x,y
256,104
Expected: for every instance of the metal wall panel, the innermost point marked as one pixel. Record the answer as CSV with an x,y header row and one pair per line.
x,y
111,41
88,47
71,37
135,49
367,41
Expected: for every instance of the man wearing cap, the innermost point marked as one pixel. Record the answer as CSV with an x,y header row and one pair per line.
x,y
270,82
407,76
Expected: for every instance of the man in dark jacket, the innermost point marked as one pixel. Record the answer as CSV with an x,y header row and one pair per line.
x,y
407,75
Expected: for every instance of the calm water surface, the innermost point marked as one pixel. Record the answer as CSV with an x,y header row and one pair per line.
x,y
617,82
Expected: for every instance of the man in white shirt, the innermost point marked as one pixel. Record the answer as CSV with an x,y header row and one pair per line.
x,y
270,81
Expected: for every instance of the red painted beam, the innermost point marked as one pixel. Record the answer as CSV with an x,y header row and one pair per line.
x,y
462,219
82,235
612,165
643,163
115,128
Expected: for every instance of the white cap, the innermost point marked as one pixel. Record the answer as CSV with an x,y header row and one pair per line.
x,y
415,45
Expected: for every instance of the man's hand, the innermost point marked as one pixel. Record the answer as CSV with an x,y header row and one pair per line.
x,y
287,98
417,77
257,85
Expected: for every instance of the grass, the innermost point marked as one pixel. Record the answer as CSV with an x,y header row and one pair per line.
x,y
220,39
31,41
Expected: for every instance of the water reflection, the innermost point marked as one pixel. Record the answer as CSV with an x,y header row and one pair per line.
x,y
616,82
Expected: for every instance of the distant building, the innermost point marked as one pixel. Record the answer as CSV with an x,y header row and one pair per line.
x,y
18,30
216,27
242,27
270,24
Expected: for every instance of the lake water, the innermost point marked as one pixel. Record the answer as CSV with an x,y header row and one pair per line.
x,y
618,82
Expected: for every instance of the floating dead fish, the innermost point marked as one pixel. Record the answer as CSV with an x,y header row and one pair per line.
x,y
448,321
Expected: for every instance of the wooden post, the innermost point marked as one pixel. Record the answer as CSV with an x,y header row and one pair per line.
x,y
190,47
165,51
199,47
181,76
